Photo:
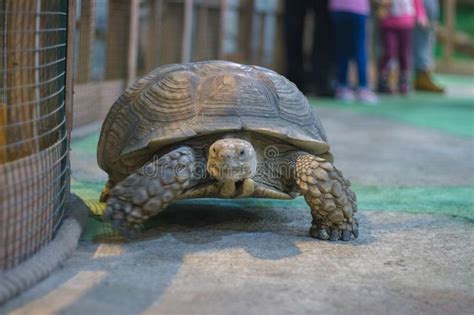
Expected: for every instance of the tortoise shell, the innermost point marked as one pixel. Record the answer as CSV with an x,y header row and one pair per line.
x,y
177,102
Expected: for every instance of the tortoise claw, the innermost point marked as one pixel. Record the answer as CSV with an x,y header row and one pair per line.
x,y
346,235
320,232
334,235
323,232
355,230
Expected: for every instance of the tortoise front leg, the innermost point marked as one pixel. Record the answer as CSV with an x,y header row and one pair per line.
x,y
149,190
328,194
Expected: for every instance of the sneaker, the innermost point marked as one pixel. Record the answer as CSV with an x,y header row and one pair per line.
x,y
367,96
404,89
404,84
383,86
345,94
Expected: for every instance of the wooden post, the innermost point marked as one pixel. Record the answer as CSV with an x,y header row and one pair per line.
x,y
187,31
3,133
246,28
152,54
133,41
171,32
3,93
278,63
71,28
224,7
86,40
202,45
117,39
449,20
260,52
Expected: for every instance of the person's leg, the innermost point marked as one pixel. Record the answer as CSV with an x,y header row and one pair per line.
x,y
360,48
425,39
389,48
342,26
323,60
404,56
293,28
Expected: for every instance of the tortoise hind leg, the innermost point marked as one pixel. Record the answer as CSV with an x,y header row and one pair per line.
x,y
149,190
328,194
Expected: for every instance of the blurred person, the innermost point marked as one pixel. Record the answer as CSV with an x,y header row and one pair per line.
x,y
397,20
323,54
320,77
425,39
350,24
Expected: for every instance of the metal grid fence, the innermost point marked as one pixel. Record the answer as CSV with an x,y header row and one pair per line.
x,y
33,132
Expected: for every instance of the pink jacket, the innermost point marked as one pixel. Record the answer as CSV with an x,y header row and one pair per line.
x,y
404,14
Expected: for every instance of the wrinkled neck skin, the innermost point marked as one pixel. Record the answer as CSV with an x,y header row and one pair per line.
x,y
231,160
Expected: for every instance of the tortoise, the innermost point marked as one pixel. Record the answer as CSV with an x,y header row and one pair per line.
x,y
218,129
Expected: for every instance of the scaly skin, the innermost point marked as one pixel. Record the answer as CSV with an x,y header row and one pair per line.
x,y
153,187
149,190
231,160
327,192
104,195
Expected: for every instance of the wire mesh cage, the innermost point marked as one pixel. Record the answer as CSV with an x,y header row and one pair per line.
x,y
33,126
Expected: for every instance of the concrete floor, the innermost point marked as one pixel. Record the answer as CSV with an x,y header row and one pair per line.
x,y
241,260
246,261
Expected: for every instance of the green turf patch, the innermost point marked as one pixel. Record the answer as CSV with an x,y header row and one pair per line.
x,y
455,116
86,145
456,201
462,81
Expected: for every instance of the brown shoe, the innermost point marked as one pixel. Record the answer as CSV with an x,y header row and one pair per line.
x,y
424,82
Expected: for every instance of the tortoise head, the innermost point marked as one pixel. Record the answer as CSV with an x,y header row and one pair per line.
x,y
232,159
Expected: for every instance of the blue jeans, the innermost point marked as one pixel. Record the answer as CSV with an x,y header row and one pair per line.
x,y
351,43
425,38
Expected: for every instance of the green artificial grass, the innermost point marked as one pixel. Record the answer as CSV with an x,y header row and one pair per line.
x,y
455,201
452,115
86,146
462,81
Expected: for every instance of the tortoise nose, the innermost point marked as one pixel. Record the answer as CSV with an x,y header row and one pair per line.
x,y
225,155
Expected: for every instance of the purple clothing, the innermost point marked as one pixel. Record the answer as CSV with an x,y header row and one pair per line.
x,y
396,45
404,14
353,6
